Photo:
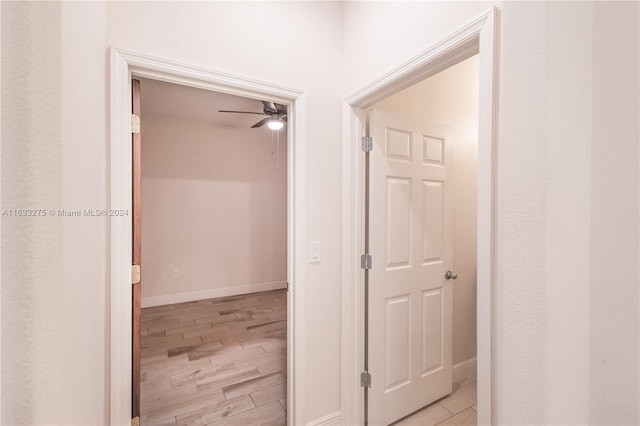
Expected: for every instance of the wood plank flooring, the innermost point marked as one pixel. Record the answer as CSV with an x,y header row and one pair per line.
x,y
215,362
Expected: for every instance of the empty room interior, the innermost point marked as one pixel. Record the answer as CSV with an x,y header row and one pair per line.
x,y
214,250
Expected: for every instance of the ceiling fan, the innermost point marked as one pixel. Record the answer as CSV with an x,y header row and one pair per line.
x,y
276,115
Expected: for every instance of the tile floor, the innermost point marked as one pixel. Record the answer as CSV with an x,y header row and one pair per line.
x,y
215,362
457,409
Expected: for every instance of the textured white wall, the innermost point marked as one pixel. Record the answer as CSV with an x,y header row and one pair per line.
x,y
521,242
54,290
450,98
568,116
31,175
214,206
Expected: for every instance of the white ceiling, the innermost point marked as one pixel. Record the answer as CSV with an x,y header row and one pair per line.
x,y
158,97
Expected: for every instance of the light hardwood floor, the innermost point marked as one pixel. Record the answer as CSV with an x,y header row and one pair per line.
x,y
215,362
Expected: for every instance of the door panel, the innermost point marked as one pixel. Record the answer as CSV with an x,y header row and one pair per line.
x,y
398,145
433,150
432,331
432,220
398,342
411,247
398,222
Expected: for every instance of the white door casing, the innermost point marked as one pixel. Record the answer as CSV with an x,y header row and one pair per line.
x,y
478,36
411,239
125,64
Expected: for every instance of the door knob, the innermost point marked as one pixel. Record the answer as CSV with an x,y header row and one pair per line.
x,y
451,275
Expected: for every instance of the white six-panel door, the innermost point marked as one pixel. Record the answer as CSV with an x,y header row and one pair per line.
x,y
411,245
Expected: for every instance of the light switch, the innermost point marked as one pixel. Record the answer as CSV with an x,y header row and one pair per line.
x,y
314,252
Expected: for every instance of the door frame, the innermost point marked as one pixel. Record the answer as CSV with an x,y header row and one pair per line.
x,y
123,66
480,36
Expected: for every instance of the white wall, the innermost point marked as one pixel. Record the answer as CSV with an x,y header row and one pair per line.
x,y
214,204
450,98
555,324
615,213
568,115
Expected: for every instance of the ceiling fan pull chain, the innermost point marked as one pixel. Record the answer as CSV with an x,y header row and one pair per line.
x,y
277,150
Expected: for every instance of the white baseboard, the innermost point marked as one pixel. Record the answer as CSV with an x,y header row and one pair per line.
x,y
465,371
333,419
169,299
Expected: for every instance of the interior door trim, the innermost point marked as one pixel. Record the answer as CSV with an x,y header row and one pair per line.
x,y
123,66
479,36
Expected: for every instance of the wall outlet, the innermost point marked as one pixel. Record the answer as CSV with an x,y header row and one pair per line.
x,y
175,273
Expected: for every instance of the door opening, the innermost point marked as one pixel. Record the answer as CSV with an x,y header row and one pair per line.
x,y
125,66
211,334
422,212
476,38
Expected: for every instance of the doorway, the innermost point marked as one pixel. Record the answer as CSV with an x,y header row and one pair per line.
x,y
476,38
422,241
126,65
214,248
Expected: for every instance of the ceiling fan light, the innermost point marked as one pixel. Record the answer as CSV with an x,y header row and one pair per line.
x,y
275,124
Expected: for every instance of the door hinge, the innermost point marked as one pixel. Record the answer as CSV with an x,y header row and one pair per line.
x,y
367,143
135,421
365,261
135,123
287,285
365,379
135,274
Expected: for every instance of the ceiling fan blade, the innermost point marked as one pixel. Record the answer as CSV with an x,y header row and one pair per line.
x,y
242,112
269,106
261,122
281,108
